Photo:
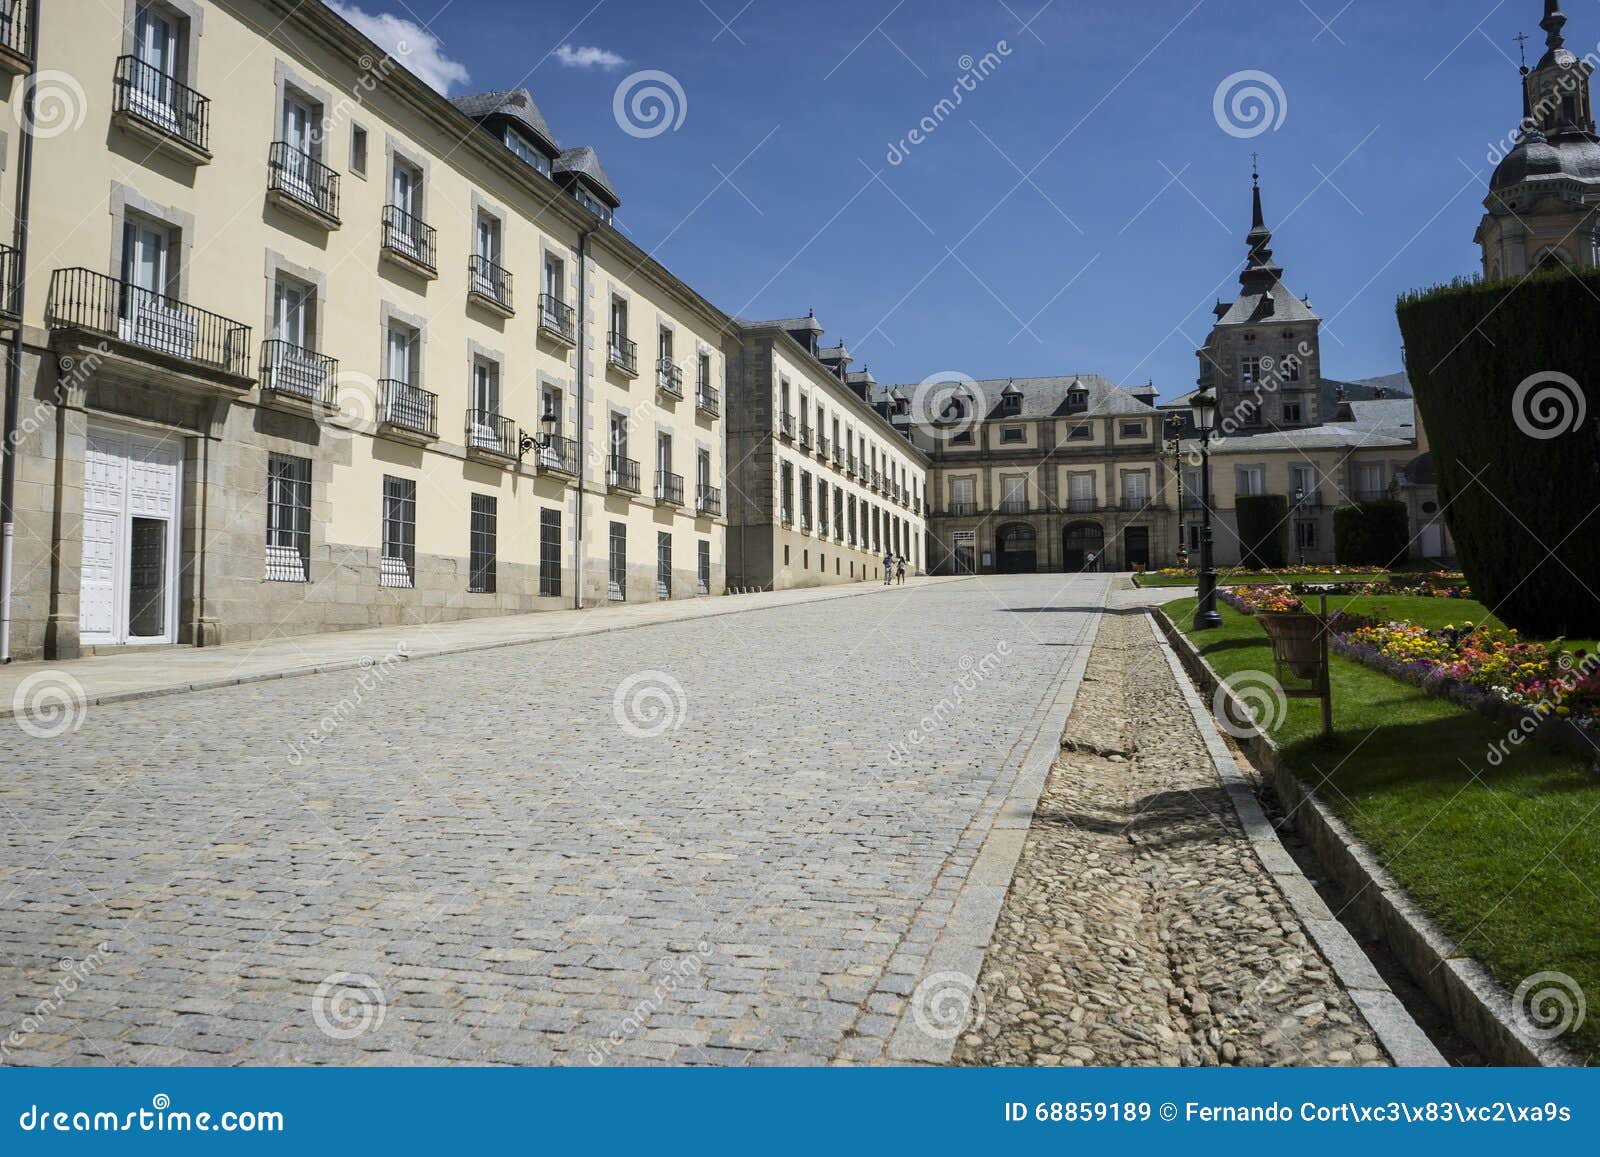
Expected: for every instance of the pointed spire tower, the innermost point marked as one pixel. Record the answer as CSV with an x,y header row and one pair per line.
x,y
1556,91
1260,273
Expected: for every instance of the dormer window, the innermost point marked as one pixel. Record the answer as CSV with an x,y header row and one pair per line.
x,y
592,203
1011,404
526,151
1077,400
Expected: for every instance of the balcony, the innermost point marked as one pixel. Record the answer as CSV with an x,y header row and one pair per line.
x,y
559,456
850,466
153,106
1302,500
805,522
1361,494
1135,503
669,488
556,320
622,475
406,413
1083,505
786,517
300,184
805,436
709,501
489,286
10,273
669,379
410,243
707,400
838,458
298,379
622,355
490,435
1014,506
167,342
786,425
822,447
14,58
962,509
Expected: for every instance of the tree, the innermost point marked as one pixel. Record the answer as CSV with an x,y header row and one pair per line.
x,y
1372,533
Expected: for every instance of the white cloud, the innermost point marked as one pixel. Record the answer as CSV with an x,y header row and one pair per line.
x,y
409,43
588,56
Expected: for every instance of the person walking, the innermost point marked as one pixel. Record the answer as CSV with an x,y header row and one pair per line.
x,y
900,569
888,568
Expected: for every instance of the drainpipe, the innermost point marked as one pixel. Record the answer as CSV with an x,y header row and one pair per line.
x,y
582,410
13,383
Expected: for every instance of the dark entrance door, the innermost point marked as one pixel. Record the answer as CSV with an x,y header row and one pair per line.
x,y
1136,547
1016,550
1079,541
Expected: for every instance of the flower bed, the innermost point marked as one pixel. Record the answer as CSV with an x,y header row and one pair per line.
x,y
1192,572
1492,671
1261,600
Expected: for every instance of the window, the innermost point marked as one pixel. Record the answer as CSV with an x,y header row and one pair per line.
x,y
549,553
526,152
405,195
555,279
1291,413
1014,491
1080,433
1135,491
1252,480
664,346
617,577
663,564
619,322
1250,371
487,240
703,570
402,353
288,518
1369,481
1013,434
358,151
480,561
838,512
962,438
1080,492
1305,534
294,310
786,494
397,565
1011,404
702,377
1133,429
805,500
1077,400
483,423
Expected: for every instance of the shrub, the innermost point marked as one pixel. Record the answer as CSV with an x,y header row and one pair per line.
x,y
1372,533
1263,530
1516,466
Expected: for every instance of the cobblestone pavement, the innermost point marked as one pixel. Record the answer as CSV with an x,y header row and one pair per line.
x,y
1140,928
690,843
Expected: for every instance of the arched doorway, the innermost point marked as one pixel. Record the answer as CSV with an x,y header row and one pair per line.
x,y
1078,541
1017,549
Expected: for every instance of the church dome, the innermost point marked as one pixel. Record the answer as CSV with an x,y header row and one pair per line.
x,y
1575,158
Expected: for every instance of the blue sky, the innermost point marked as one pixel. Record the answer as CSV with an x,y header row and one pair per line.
x,y
1082,208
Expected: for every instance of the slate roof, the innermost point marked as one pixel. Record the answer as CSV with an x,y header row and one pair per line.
x,y
584,162
1365,390
514,104
1043,397
1271,306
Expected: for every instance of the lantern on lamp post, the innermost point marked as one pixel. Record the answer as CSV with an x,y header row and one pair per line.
x,y
1203,413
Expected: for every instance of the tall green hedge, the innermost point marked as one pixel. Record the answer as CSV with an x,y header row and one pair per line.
x,y
1512,497
1263,530
1372,533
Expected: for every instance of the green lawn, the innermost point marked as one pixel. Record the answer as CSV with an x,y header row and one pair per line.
x,y
1254,578
1419,609
1506,861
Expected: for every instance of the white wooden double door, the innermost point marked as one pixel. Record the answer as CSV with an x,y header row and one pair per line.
x,y
131,526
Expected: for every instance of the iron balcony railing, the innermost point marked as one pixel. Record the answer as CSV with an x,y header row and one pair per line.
x,y
405,407
489,281
10,276
669,379
1135,502
622,474
14,27
709,501
1306,498
560,455
805,522
409,237
805,435
623,354
822,447
669,487
1014,506
786,424
158,100
850,466
556,316
492,433
303,177
838,457
298,373
83,299
961,509
1191,501
1082,505
877,480
786,516
707,399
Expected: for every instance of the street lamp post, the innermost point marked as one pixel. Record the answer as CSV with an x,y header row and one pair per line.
x,y
1299,514
1203,409
527,443
1175,444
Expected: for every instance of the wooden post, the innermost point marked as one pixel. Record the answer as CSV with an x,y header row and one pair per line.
x,y
1327,673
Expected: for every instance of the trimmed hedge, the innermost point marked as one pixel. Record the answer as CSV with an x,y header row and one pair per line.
x,y
1372,533
1263,530
1512,496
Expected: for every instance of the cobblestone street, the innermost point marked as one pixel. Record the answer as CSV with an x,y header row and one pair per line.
x,y
724,841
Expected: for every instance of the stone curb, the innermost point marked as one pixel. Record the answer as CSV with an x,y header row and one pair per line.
x,y
8,710
963,942
1478,1007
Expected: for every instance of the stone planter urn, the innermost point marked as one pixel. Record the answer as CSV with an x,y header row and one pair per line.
x,y
1296,640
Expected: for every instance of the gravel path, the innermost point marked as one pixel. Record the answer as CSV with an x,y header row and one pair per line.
x,y
1140,928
